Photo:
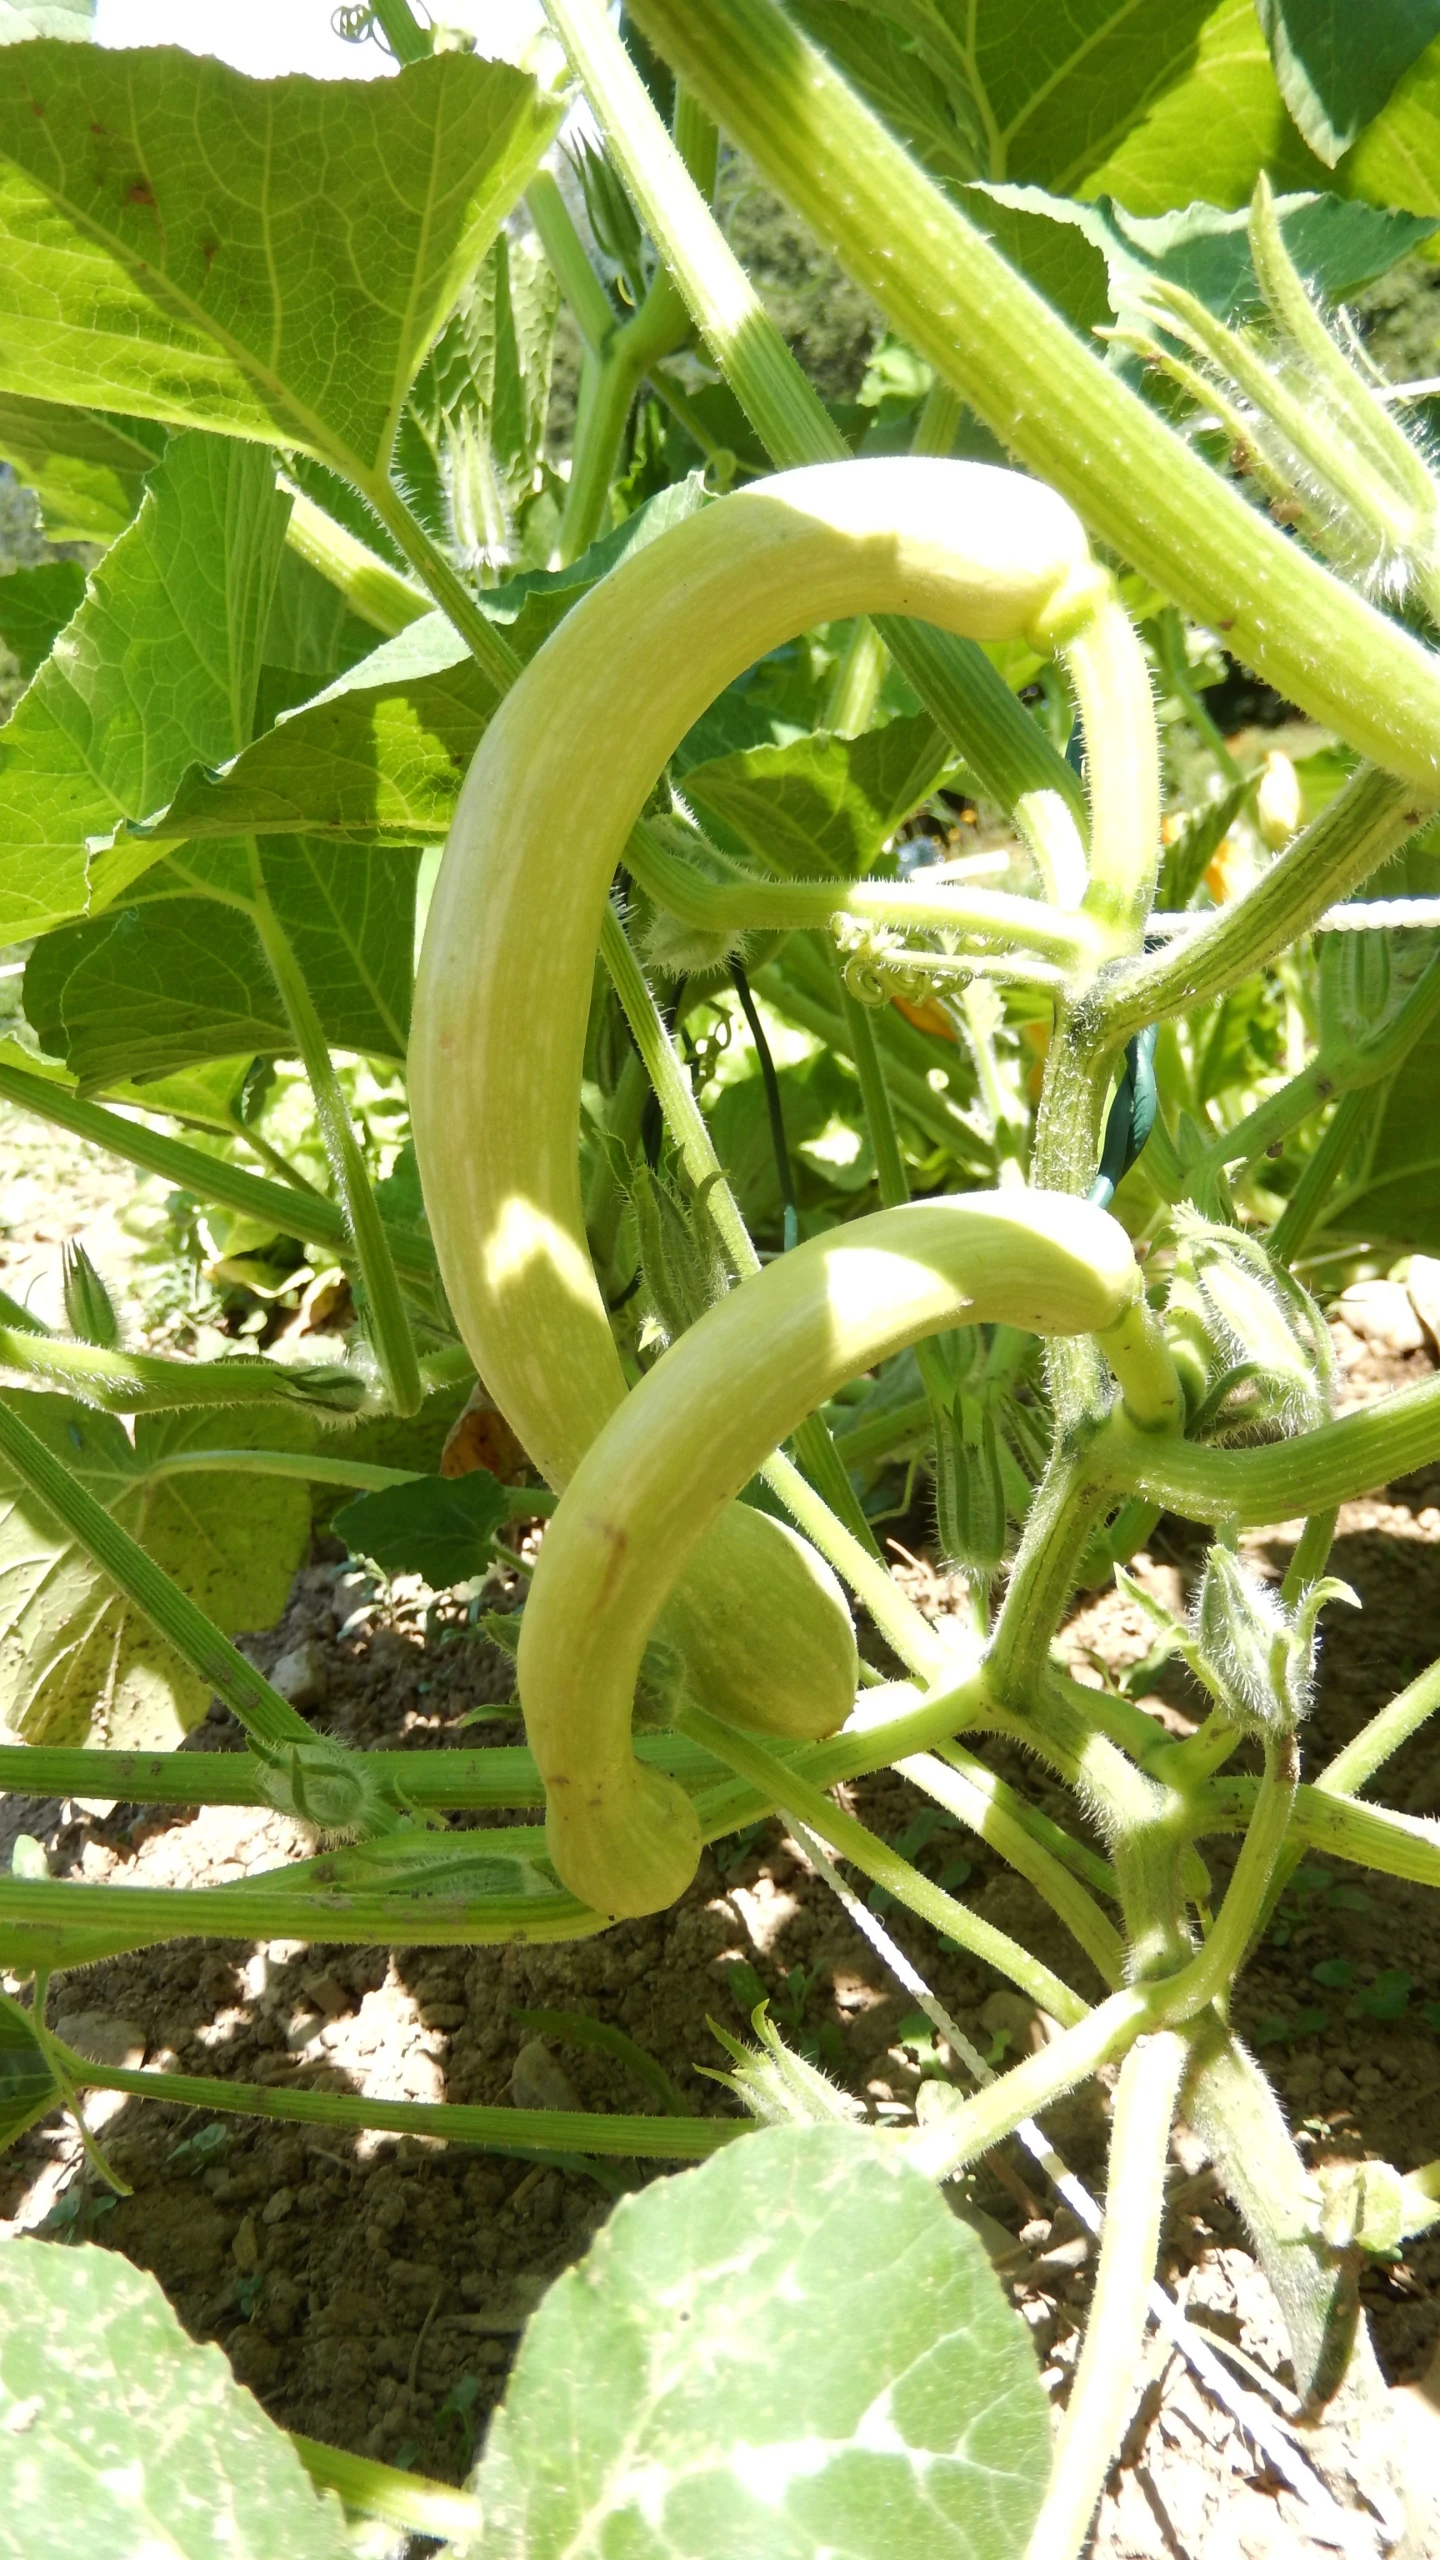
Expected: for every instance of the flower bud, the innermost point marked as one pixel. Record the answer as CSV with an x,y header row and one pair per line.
x,y
88,1309
1278,808
1362,2206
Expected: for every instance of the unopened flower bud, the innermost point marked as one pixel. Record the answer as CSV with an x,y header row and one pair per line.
x,y
1278,807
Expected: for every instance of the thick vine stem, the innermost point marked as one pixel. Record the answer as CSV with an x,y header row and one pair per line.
x,y
751,903
1023,370
386,1320
1104,2381
885,1867
501,1009
1287,1480
955,680
296,1212
1363,826
684,1443
1232,2107
149,1382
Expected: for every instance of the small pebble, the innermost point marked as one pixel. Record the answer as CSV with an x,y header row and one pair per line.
x,y
301,1675
538,2080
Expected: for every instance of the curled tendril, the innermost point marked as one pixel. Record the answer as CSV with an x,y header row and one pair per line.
x,y
877,965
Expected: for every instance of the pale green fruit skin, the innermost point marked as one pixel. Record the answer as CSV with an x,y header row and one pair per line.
x,y
661,1473
559,779
764,1625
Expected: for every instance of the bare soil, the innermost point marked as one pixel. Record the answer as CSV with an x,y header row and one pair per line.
x,y
371,2292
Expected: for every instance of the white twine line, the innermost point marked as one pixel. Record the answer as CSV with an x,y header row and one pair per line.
x,y
1325,2518
1360,915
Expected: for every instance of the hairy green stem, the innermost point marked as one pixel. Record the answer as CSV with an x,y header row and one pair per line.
x,y
954,678
386,1320
304,1213
1105,2376
1289,1479
490,650
686,1125
1363,826
884,1865
987,1807
1365,1835
1352,1768
1041,390
505,2129
754,904
370,587
146,1382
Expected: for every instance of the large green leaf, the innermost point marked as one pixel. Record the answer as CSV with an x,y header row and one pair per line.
x,y
1397,159
1338,64
35,604
823,804
1155,102
76,1658
163,985
381,754
158,671
795,2350
269,258
119,2436
87,469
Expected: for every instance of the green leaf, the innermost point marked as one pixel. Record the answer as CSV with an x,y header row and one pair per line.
x,y
474,424
35,604
1337,65
1092,259
71,19
118,2434
381,754
795,2350
439,1527
155,988
87,469
158,671
378,757
71,1649
27,2083
824,805
1206,131
1157,101
268,258
1397,158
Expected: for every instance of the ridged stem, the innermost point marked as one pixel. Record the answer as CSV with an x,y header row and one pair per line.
x,y
386,1320
1040,389
954,678
1104,2383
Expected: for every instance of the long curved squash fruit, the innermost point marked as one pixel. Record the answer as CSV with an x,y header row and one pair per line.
x,y
623,1837
559,779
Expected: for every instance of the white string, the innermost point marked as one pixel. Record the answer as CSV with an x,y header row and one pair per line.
x,y
1360,915
1267,2434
